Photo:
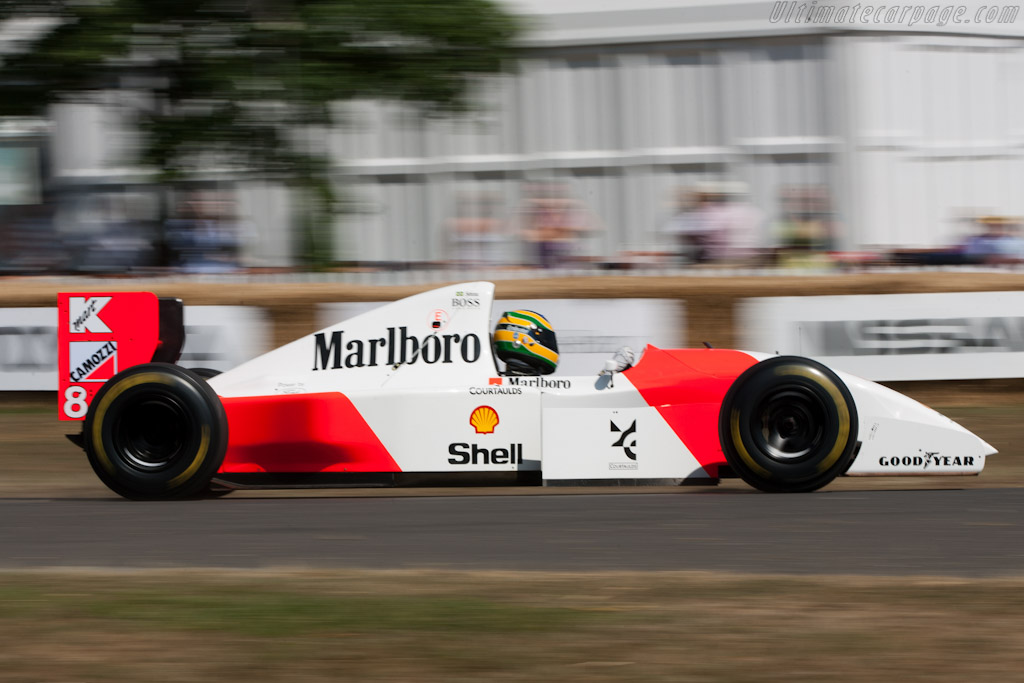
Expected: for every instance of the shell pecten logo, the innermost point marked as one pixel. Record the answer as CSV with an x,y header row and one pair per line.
x,y
484,419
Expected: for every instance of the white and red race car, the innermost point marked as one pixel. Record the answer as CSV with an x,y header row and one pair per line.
x,y
412,392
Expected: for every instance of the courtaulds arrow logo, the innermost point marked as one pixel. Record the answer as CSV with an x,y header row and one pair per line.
x,y
626,446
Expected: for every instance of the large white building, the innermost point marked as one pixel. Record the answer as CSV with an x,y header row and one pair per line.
x,y
907,121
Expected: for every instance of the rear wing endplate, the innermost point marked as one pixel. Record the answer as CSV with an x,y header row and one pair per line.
x,y
100,334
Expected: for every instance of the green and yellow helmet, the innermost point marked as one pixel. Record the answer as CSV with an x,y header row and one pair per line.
x,y
526,343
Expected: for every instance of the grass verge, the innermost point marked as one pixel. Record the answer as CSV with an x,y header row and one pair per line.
x,y
469,626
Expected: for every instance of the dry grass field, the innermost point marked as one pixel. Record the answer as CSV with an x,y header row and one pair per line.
x,y
298,626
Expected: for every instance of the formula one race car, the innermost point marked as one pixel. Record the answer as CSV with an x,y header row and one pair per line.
x,y
421,391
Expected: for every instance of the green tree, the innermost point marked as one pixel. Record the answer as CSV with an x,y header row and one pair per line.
x,y
246,84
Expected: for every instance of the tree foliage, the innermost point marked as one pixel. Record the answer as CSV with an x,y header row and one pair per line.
x,y
236,82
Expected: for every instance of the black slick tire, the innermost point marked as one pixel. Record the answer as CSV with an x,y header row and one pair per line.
x,y
213,490
156,431
788,424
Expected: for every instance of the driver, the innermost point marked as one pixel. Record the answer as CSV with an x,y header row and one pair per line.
x,y
526,343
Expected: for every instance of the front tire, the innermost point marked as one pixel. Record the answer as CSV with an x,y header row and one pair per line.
x,y
156,431
788,424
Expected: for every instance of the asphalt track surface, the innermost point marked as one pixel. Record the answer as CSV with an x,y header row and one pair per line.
x,y
970,533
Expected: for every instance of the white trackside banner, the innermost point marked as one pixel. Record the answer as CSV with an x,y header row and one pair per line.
x,y
589,331
221,337
894,337
28,349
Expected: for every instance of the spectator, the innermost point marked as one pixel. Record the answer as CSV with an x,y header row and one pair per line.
x,y
996,241
716,222
688,227
734,225
203,236
806,219
1011,248
553,224
806,227
476,230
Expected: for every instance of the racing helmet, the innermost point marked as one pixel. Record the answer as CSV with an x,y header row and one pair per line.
x,y
526,343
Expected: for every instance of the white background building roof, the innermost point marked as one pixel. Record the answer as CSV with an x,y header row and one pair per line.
x,y
582,22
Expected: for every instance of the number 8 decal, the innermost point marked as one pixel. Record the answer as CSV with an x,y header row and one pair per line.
x,y
75,406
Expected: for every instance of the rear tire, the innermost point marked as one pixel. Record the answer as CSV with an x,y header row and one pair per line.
x,y
213,490
788,424
156,431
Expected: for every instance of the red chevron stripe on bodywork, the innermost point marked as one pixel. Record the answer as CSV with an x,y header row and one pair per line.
x,y
301,433
692,412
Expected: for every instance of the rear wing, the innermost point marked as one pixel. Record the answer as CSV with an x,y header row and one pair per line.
x,y
100,334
